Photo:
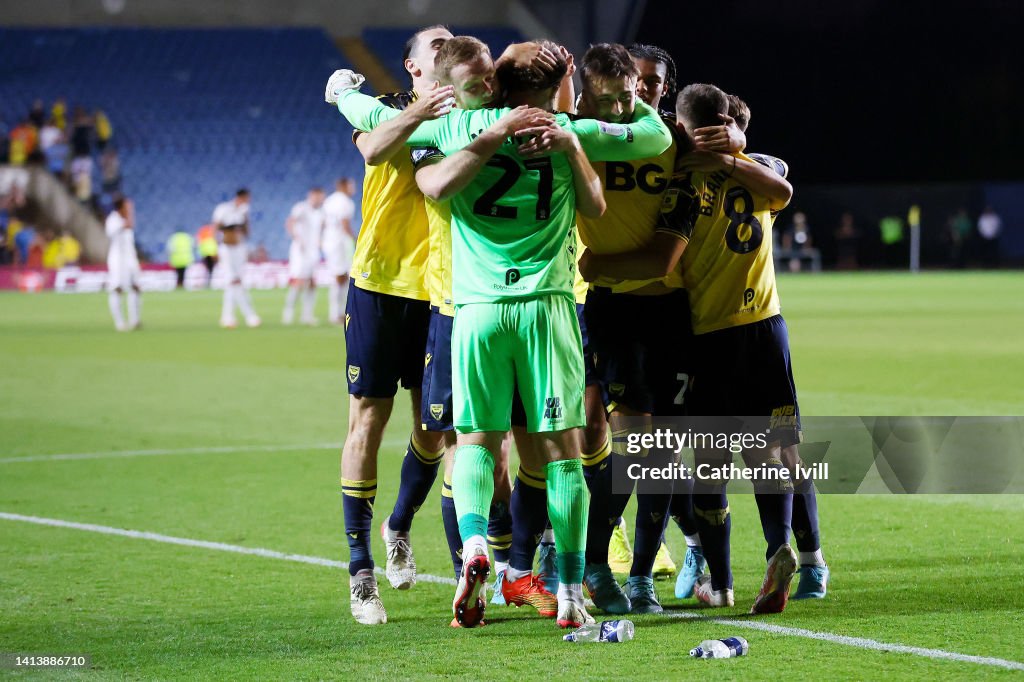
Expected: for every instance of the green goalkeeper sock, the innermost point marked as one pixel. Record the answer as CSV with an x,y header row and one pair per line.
x,y
567,509
472,489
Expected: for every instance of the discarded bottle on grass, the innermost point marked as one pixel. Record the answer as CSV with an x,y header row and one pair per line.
x,y
729,647
608,631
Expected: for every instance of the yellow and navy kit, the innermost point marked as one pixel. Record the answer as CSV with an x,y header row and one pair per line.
x,y
633,192
728,268
391,250
439,231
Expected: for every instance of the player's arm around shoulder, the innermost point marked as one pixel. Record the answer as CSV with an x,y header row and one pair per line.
x,y
554,138
388,138
647,136
442,177
660,255
763,182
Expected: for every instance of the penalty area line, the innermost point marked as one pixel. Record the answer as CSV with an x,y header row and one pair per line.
x,y
844,640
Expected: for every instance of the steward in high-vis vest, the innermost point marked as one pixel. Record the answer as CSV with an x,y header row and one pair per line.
x,y
180,254
207,238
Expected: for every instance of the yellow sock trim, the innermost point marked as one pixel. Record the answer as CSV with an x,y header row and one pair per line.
x,y
590,459
424,455
716,517
532,479
500,542
361,489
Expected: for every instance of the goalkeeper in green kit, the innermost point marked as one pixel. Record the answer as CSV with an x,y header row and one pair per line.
x,y
516,178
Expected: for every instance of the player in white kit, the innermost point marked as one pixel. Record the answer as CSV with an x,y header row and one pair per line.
x,y
305,224
123,265
232,221
339,244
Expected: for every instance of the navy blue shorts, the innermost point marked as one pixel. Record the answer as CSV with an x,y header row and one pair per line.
x,y
589,364
384,340
643,347
746,371
436,404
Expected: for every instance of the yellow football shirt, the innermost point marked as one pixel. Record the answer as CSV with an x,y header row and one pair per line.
x,y
633,191
728,268
391,249
439,237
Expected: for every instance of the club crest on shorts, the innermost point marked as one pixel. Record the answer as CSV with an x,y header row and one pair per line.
x,y
436,410
353,373
426,360
348,318
616,389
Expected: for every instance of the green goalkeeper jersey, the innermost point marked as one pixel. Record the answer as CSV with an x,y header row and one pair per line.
x,y
514,225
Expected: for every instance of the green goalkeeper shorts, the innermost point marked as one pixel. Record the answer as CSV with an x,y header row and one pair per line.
x,y
533,345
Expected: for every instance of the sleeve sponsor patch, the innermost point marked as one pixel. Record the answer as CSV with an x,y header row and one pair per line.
x,y
421,155
615,130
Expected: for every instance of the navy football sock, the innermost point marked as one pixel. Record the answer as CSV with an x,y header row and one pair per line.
x,y
805,517
711,511
651,517
605,509
419,469
499,531
450,519
357,498
776,511
681,508
529,509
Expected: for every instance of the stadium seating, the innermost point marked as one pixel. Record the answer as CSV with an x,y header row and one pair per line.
x,y
387,43
196,114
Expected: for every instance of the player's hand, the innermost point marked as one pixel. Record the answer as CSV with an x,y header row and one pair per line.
x,y
521,118
705,162
570,61
341,80
530,56
432,104
722,138
586,267
546,139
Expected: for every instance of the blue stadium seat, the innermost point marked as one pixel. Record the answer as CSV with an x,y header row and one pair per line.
x,y
196,114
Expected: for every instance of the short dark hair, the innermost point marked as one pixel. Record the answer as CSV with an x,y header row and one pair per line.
x,y
653,53
739,110
242,192
457,50
410,44
701,103
517,79
118,202
607,60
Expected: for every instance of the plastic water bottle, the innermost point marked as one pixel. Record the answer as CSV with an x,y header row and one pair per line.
x,y
608,631
721,648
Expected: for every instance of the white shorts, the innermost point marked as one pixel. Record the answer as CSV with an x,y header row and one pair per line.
x,y
232,258
339,256
122,274
302,264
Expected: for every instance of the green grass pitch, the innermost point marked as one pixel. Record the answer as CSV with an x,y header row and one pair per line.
x,y
239,432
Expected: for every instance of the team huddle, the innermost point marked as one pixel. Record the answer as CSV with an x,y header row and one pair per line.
x,y
536,267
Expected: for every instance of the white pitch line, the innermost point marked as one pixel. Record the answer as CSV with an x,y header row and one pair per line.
x,y
845,640
168,451
205,450
203,544
859,642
